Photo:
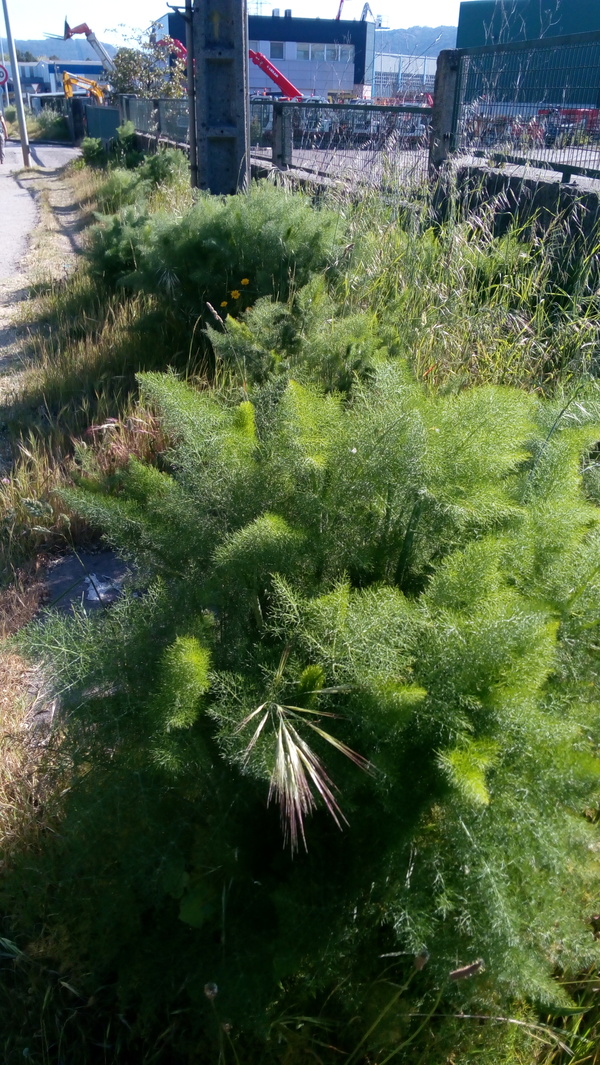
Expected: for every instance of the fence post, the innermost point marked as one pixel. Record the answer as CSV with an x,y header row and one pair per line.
x,y
156,120
282,136
444,106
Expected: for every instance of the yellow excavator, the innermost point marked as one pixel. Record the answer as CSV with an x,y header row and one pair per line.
x,y
71,80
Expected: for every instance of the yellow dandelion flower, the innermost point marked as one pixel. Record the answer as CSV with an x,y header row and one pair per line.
x,y
223,303
245,281
235,295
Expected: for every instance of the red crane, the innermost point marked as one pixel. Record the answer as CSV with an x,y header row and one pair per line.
x,y
98,47
289,91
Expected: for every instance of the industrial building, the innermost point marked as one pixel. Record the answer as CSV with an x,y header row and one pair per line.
x,y
484,22
321,57
401,75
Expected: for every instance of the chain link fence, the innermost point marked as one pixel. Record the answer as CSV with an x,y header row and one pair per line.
x,y
534,103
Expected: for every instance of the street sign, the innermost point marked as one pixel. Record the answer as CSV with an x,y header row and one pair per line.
x,y
3,75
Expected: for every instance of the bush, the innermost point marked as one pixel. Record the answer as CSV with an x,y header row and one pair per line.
x,y
116,246
306,336
51,125
123,188
124,150
163,167
228,252
407,579
10,113
93,152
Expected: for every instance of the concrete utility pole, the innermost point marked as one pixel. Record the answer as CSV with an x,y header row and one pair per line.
x,y
17,87
220,32
191,91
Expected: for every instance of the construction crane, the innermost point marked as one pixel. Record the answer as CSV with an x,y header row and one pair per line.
x,y
71,80
367,10
99,48
339,12
288,89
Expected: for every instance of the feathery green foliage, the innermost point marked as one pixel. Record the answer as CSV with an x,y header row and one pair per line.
x,y
254,245
380,617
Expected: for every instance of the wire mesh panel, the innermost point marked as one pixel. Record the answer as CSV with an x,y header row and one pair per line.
x,y
102,122
372,144
174,122
535,103
358,142
261,128
143,115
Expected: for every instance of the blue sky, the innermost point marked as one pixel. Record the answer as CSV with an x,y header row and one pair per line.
x,y
31,19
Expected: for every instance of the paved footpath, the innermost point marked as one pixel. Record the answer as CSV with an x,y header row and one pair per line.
x,y
18,210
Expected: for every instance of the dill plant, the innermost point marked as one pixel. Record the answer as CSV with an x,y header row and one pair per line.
x,y
351,716
224,251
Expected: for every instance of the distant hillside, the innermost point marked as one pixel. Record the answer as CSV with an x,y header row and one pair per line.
x,y
418,40
76,48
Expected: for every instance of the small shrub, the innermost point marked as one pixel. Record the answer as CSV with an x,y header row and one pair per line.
x,y
228,252
51,125
409,579
117,245
93,152
10,113
163,167
124,150
124,187
121,189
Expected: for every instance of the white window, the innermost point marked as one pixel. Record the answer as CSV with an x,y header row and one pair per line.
x,y
276,50
253,45
317,52
346,53
332,53
303,51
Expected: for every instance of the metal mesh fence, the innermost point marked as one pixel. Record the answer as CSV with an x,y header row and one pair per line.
x,y
102,122
359,142
143,114
261,128
173,119
535,103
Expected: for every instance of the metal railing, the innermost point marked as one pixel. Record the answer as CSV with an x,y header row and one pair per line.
x,y
532,103
163,119
359,141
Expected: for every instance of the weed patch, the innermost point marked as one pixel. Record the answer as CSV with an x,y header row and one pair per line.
x,y
338,747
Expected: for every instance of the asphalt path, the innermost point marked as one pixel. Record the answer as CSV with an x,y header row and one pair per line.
x,y
18,210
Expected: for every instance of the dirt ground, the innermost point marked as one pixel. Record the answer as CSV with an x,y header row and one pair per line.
x,y
41,233
42,230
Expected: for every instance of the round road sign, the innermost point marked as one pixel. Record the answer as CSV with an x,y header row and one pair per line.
x,y
3,75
